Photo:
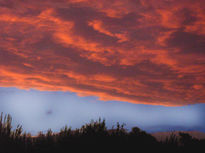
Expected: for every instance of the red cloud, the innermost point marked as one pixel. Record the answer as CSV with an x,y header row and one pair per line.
x,y
137,51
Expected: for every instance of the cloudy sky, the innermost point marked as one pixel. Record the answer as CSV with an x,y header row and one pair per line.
x,y
136,53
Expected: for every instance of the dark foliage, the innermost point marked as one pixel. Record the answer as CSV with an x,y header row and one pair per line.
x,y
92,137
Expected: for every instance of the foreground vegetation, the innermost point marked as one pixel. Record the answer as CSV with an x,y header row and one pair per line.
x,y
92,137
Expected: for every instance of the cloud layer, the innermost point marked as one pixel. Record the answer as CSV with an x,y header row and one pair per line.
x,y
140,51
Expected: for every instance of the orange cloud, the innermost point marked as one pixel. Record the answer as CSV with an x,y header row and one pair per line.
x,y
136,51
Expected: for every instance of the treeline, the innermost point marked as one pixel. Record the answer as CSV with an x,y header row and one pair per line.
x,y
92,137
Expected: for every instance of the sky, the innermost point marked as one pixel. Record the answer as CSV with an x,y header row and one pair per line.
x,y
140,54
41,110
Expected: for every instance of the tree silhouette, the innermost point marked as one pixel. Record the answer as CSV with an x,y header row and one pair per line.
x,y
89,137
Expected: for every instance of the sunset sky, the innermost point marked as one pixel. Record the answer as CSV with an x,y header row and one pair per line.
x,y
141,62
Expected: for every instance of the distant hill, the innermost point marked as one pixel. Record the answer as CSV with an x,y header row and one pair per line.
x,y
163,135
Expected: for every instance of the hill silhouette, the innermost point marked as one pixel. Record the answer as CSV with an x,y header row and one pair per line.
x,y
161,136
91,137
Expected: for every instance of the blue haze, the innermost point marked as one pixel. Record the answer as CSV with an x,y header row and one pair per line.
x,y
40,110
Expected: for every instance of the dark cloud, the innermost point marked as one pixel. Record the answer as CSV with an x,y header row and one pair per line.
x,y
187,42
136,51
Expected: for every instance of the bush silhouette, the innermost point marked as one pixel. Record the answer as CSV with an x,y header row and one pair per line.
x,y
89,137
